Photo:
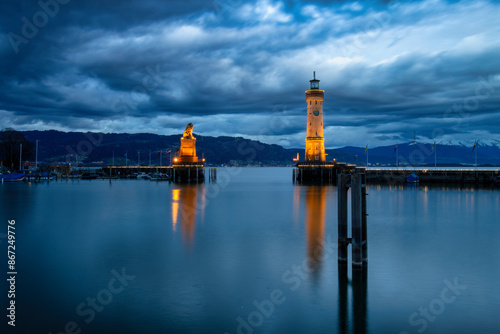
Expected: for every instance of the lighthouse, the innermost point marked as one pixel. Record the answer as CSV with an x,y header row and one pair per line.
x,y
315,169
315,143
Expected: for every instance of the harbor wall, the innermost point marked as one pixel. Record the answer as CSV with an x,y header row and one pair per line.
x,y
434,175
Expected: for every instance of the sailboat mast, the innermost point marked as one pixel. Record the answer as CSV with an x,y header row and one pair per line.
x,y
476,158
20,157
397,156
414,144
36,156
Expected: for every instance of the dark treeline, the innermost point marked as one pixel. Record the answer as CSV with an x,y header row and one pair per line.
x,y
10,148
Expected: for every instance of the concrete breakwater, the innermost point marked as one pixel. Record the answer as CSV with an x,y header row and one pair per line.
x,y
434,175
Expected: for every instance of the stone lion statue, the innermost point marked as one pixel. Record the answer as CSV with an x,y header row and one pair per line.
x,y
188,133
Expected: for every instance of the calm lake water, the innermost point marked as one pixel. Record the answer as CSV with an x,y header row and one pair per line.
x,y
137,256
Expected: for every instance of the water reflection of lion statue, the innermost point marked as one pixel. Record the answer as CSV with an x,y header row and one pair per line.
x,y
188,133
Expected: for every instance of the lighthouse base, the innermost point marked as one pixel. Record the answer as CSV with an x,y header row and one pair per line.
x,y
319,172
315,149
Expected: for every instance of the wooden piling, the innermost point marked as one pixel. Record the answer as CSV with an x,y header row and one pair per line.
x,y
342,217
343,298
359,294
358,214
356,180
364,214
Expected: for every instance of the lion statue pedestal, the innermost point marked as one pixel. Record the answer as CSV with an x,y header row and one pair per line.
x,y
187,152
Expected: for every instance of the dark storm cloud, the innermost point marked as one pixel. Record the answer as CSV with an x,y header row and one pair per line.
x,y
234,67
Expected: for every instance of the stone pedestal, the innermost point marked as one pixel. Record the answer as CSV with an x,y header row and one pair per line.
x,y
188,150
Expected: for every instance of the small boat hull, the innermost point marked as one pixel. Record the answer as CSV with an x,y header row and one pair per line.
x,y
12,177
45,176
412,178
88,177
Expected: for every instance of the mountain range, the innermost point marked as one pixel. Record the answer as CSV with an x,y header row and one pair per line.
x,y
92,147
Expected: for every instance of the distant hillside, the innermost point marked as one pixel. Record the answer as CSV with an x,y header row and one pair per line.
x,y
91,147
57,146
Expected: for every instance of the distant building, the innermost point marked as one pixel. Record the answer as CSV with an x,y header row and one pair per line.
x,y
28,167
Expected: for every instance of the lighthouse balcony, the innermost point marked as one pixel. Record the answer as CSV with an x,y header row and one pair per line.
x,y
315,93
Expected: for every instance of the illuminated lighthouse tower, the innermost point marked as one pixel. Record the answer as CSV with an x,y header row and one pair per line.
x,y
315,143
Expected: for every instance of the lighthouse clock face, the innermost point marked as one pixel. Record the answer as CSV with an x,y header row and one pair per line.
x,y
316,113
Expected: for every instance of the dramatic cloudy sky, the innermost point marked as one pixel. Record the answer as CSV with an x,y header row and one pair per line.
x,y
235,67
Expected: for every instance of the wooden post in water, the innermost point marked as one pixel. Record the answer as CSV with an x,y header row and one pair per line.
x,y
343,298
364,214
342,217
358,212
359,294
356,180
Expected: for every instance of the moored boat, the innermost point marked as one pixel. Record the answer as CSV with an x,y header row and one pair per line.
x,y
88,176
143,175
159,177
12,177
412,178
45,176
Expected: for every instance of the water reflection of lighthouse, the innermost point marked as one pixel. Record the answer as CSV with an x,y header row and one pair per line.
x,y
187,205
315,200
352,312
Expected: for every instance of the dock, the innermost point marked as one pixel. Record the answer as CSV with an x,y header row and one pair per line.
x,y
433,175
124,171
180,173
326,173
318,172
